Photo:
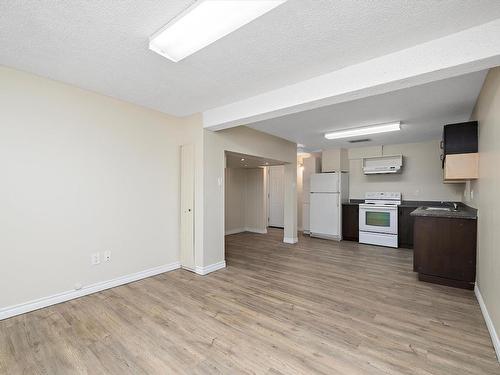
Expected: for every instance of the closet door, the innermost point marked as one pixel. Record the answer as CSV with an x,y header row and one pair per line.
x,y
187,207
277,196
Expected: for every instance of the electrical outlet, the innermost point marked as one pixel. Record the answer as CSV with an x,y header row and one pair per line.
x,y
107,256
95,258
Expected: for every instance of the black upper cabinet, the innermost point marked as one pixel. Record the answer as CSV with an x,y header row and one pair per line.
x,y
460,138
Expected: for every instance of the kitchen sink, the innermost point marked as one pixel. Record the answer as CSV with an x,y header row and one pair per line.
x,y
438,208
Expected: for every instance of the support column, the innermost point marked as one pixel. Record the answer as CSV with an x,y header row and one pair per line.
x,y
290,232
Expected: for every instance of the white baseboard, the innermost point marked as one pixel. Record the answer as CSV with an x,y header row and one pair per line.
x,y
211,268
290,240
489,322
245,229
234,231
39,303
325,236
256,230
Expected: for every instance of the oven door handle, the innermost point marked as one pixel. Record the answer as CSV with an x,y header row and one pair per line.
x,y
378,207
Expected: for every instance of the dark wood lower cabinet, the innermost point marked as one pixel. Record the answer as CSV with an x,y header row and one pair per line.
x,y
405,226
350,222
445,250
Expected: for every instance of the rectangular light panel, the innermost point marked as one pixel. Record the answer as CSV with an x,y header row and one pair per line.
x,y
373,129
205,22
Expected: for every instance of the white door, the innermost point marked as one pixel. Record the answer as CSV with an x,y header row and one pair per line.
x,y
324,218
276,196
305,215
187,206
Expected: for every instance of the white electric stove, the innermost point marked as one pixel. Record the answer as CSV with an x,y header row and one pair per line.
x,y
378,219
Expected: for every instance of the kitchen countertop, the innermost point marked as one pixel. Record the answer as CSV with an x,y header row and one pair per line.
x,y
355,202
464,212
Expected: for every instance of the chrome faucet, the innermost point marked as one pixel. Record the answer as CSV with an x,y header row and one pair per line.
x,y
455,206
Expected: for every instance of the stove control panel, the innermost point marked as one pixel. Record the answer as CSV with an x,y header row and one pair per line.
x,y
387,195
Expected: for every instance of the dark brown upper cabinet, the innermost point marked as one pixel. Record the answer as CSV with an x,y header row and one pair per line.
x,y
461,138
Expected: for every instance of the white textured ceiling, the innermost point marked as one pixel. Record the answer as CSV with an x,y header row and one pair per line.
x,y
423,110
102,45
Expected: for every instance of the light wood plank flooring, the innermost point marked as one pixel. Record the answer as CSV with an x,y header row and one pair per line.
x,y
318,307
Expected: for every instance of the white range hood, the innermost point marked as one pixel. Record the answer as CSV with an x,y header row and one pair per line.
x,y
383,164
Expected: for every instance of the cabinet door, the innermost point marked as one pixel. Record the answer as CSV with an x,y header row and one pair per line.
x,y
350,222
461,167
334,160
460,138
405,227
446,248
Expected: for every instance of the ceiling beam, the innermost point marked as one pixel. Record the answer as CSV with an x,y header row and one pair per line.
x,y
464,52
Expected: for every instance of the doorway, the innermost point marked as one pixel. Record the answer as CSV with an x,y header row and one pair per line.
x,y
246,193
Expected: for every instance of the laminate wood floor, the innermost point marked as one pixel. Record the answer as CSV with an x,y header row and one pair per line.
x,y
318,307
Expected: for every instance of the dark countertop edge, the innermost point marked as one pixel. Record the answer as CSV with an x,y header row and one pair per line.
x,y
353,202
464,212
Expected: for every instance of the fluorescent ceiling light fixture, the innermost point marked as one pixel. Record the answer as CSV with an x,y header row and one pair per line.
x,y
204,22
373,129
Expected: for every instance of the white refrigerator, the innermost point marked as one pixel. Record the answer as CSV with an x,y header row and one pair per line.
x,y
328,192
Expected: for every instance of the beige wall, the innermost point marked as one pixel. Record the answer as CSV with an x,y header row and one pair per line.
x,y
245,205
421,177
85,173
246,141
485,194
82,173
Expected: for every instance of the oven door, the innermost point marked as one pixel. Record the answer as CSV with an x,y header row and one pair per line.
x,y
378,219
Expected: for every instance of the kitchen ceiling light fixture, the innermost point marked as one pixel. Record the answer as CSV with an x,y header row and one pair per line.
x,y
365,130
205,22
